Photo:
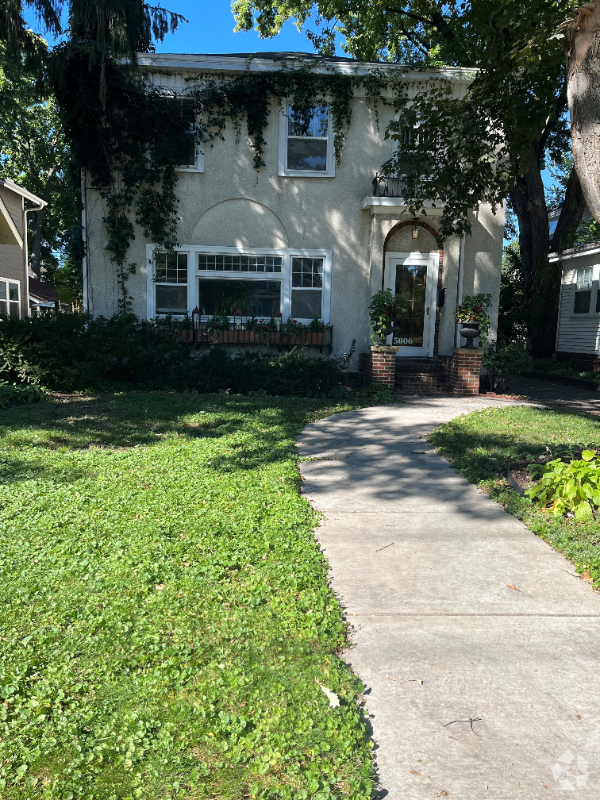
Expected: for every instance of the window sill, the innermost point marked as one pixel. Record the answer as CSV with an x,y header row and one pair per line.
x,y
189,169
306,174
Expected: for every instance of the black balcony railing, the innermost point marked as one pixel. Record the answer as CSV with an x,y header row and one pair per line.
x,y
385,186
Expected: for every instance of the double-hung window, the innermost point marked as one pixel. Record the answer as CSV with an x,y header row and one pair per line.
x,y
171,278
9,298
583,290
307,287
306,142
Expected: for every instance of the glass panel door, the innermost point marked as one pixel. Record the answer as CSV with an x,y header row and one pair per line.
x,y
410,290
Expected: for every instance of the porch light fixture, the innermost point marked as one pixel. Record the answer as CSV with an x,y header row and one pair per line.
x,y
415,230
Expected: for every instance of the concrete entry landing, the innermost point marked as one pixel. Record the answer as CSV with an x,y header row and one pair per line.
x,y
475,690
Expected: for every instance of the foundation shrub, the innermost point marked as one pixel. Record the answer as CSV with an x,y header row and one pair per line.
x,y
73,352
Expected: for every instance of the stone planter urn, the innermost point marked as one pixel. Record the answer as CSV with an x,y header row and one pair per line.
x,y
470,331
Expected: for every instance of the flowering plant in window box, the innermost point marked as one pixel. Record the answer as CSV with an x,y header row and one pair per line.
x,y
216,327
297,334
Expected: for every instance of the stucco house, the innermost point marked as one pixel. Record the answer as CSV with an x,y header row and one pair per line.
x,y
303,236
14,295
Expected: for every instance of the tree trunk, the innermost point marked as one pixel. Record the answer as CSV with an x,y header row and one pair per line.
x,y
541,279
582,47
571,212
35,260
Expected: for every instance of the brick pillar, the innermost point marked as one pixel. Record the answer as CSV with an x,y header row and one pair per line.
x,y
465,368
380,365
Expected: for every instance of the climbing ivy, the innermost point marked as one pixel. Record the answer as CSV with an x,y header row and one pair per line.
x,y
130,140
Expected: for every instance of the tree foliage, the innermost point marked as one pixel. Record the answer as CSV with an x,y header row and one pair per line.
x,y
35,153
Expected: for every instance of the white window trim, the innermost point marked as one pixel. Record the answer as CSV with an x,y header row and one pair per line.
x,y
283,136
8,283
285,276
198,166
594,290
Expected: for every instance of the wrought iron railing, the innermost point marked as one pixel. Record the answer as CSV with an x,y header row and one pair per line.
x,y
200,333
386,186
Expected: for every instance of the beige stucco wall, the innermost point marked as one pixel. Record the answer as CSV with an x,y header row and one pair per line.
x,y
231,204
12,264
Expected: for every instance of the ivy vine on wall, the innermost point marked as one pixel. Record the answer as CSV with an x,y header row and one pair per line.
x,y
130,140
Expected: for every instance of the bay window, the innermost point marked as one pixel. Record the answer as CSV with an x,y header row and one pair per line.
x,y
260,283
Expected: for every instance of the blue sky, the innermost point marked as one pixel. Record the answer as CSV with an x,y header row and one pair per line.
x,y
210,30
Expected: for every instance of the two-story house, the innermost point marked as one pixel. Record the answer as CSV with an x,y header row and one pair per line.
x,y
14,295
303,236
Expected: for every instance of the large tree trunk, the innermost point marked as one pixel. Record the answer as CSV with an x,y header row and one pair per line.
x,y
582,46
541,279
35,259
571,212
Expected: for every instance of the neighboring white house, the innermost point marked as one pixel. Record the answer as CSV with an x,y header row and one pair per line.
x,y
14,299
303,236
578,330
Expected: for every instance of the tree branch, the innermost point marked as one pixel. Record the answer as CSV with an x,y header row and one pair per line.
x,y
571,212
559,107
437,20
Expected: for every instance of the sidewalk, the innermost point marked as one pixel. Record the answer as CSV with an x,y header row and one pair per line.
x,y
478,644
556,394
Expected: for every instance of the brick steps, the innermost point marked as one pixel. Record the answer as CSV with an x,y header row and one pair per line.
x,y
422,376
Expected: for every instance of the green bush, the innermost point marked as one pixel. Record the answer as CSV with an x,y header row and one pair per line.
x,y
568,488
502,360
13,395
377,394
73,352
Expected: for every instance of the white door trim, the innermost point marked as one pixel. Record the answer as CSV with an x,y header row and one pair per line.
x,y
432,261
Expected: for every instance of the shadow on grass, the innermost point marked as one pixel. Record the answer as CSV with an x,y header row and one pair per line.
x,y
482,454
261,429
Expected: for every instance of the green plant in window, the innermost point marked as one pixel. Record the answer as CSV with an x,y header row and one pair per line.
x,y
316,325
568,488
294,328
217,323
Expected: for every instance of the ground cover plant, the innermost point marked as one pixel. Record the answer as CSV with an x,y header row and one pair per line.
x,y
481,445
165,619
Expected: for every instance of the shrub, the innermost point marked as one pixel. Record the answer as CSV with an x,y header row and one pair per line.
x,y
568,488
502,360
376,393
73,352
13,395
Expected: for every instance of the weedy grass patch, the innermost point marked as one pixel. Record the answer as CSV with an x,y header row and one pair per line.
x,y
481,445
165,619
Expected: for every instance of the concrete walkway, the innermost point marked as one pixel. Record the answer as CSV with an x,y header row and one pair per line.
x,y
478,644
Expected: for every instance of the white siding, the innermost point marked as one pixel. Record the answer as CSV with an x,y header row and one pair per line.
x,y
578,333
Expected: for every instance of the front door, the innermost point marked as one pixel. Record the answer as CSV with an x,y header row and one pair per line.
x,y
412,277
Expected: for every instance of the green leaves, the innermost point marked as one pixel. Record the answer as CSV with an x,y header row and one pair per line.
x,y
569,488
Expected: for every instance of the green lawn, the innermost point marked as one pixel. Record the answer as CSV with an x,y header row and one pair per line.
x,y
165,620
482,444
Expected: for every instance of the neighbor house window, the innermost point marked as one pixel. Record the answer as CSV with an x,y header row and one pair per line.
x,y
307,287
171,277
9,298
583,293
306,142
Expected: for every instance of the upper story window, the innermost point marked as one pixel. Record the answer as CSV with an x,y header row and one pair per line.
x,y
9,298
583,292
413,139
171,278
306,142
193,160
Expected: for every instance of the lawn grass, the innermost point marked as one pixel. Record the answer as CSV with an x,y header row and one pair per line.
x,y
481,445
165,619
